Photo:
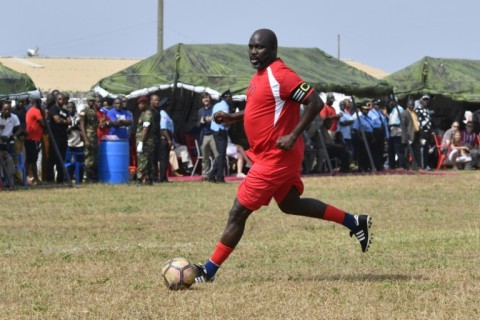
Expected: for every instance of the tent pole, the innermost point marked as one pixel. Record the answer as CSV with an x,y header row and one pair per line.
x,y
364,138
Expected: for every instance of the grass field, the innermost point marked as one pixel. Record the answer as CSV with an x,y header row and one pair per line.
x,y
95,252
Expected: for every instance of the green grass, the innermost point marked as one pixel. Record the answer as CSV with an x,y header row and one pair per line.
x,y
95,252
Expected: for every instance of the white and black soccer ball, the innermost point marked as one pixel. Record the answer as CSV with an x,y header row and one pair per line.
x,y
178,274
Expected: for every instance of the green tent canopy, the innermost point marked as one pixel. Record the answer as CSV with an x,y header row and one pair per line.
x,y
453,84
218,67
457,79
14,84
182,72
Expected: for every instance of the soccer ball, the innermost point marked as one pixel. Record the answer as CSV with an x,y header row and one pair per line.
x,y
178,274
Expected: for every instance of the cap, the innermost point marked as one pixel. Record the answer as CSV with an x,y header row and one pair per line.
x,y
330,95
377,102
90,96
227,93
164,102
142,99
426,97
365,107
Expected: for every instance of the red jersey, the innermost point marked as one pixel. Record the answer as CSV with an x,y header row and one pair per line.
x,y
33,127
328,111
273,110
106,130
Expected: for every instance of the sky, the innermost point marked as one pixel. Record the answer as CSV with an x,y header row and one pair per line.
x,y
385,34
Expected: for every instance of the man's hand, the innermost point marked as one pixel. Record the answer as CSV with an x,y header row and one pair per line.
x,y
286,143
222,117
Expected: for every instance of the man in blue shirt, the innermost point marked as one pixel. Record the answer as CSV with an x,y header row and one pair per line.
x,y
120,120
167,130
220,134
365,123
380,132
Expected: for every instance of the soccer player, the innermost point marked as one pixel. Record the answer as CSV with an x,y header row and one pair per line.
x,y
274,127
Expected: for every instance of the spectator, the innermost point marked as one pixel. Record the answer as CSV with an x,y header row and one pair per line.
x,y
103,128
7,167
345,125
423,114
10,129
160,154
363,123
168,130
237,152
75,140
448,135
21,111
35,125
206,139
120,120
411,137
380,133
88,129
470,140
145,144
59,122
396,145
329,113
458,153
335,147
173,160
220,134
47,169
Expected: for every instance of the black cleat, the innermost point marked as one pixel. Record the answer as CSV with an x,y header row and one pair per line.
x,y
201,274
362,231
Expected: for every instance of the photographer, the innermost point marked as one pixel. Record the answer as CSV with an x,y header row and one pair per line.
x,y
10,130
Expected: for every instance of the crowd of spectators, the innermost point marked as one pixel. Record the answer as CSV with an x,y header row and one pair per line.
x,y
380,135
374,136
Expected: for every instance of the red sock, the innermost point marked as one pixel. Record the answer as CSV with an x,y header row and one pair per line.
x,y
220,254
334,214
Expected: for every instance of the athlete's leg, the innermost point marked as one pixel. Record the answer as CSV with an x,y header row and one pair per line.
x,y
359,225
232,234
237,218
295,205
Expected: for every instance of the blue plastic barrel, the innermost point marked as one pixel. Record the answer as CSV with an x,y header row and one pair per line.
x,y
113,160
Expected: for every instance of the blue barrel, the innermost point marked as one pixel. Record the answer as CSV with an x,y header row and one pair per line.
x,y
113,161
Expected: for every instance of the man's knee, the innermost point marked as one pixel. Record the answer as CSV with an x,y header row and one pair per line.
x,y
238,213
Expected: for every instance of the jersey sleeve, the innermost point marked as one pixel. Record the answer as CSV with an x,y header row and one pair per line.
x,y
293,87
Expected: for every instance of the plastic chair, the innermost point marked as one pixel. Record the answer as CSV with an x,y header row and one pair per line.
x,y
20,165
72,160
198,159
441,156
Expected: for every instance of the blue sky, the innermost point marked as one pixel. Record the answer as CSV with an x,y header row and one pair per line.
x,y
386,34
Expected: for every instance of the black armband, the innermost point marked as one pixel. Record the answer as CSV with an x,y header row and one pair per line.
x,y
300,92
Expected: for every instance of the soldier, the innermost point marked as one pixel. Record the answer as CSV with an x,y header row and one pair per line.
x,y
88,129
145,143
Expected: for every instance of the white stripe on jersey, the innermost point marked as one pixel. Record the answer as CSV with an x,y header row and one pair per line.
x,y
275,86
298,95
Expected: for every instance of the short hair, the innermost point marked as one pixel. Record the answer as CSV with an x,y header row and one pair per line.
x,y
205,94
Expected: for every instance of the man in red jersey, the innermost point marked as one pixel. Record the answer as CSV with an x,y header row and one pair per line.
x,y
274,127
329,113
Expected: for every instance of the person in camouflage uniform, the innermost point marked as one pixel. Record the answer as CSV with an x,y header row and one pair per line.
x,y
145,142
88,129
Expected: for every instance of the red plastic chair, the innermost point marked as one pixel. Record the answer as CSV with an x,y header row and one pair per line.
x,y
441,156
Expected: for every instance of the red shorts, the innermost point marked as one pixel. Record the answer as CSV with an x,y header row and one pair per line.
x,y
264,183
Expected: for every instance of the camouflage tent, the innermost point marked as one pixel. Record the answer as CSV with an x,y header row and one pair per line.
x,y
182,72
216,68
453,84
14,84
